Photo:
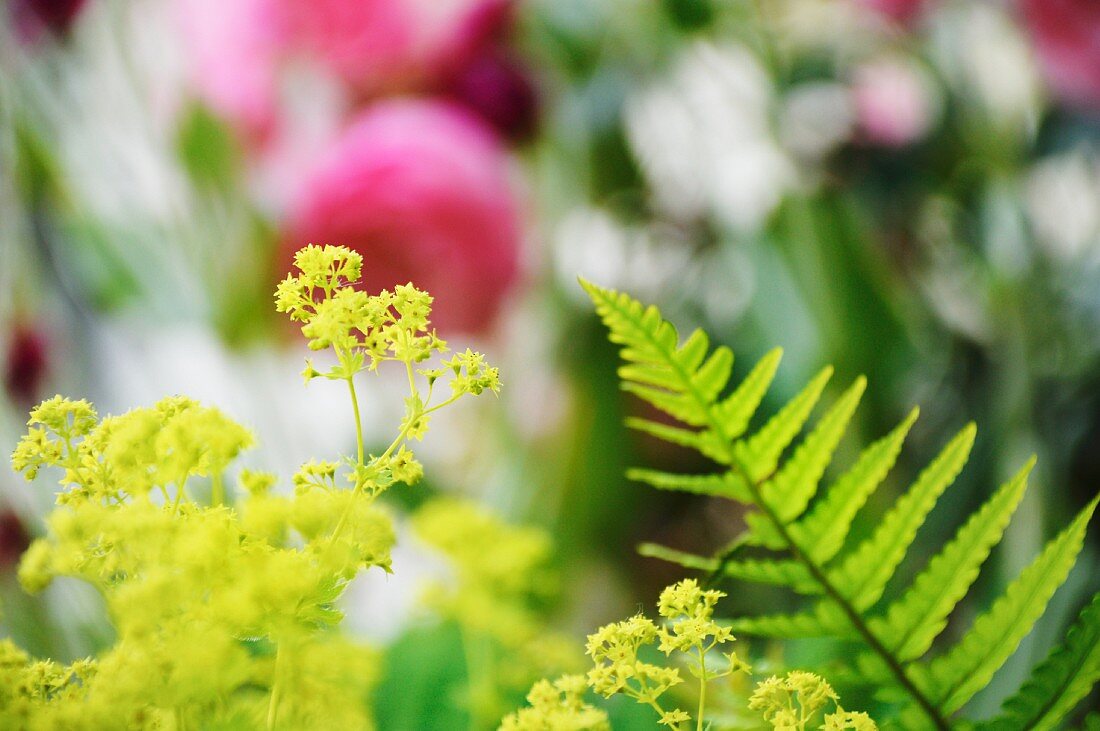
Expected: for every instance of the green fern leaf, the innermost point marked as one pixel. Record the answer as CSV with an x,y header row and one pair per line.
x,y
703,441
680,558
737,410
790,491
725,485
918,617
781,626
1060,682
968,667
759,454
777,572
822,531
864,572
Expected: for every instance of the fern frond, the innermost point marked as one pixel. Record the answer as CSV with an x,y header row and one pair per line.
x,y
736,411
917,618
864,572
680,558
792,488
823,530
759,455
1060,682
726,485
994,636
687,381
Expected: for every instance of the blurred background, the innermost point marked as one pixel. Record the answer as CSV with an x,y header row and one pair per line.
x,y
906,189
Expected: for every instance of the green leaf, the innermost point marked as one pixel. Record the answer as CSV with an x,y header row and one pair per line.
x,y
863,573
1060,682
994,636
724,485
682,382
779,572
701,441
680,558
737,410
759,455
781,626
822,531
917,618
790,491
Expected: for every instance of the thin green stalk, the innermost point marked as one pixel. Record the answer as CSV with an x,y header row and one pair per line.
x,y
273,704
702,688
358,421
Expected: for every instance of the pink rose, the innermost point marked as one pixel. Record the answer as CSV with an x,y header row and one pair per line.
x,y
385,46
232,55
1066,35
422,190
901,11
32,18
498,88
893,103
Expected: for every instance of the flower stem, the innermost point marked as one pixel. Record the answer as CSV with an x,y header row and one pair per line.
x,y
273,704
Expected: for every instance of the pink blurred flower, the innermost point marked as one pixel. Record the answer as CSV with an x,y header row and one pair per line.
x,y
893,103
421,189
1066,35
901,11
385,46
232,55
32,18
499,89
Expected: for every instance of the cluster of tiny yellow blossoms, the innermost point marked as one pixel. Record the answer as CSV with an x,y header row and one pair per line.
x,y
223,592
501,575
557,706
689,628
794,702
689,631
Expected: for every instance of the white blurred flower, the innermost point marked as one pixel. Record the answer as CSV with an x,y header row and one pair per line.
x,y
816,118
1062,199
703,138
592,244
984,55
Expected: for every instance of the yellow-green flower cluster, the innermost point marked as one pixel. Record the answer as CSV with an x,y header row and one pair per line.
x,y
557,706
202,595
795,701
689,628
223,596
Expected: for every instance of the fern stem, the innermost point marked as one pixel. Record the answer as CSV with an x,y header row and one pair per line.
x,y
869,637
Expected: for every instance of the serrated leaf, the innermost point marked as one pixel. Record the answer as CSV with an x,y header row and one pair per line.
x,y
863,574
759,455
822,531
737,410
711,377
790,491
1060,682
994,636
680,558
780,626
701,441
917,618
676,405
778,572
725,485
